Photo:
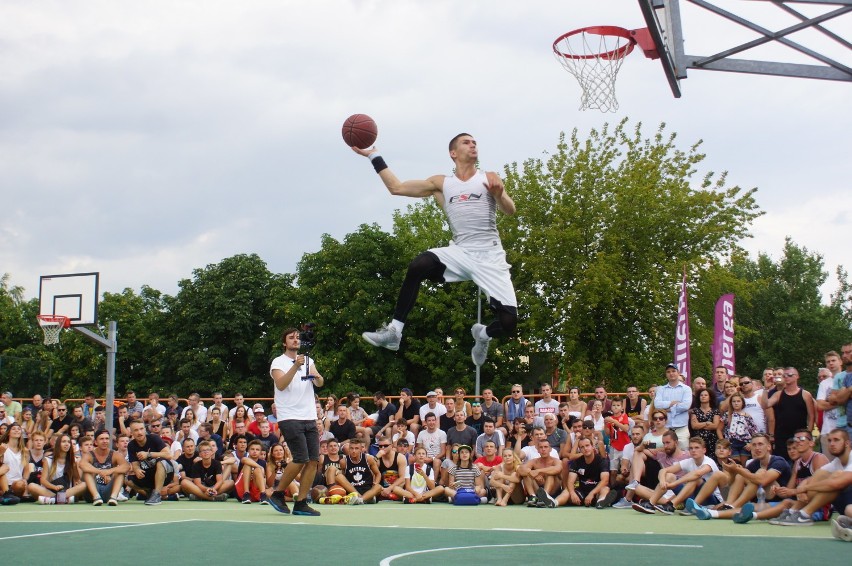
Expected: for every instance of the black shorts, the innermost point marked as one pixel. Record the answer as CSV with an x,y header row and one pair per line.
x,y
302,440
148,481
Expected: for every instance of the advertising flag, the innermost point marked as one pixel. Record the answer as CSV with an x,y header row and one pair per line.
x,y
681,349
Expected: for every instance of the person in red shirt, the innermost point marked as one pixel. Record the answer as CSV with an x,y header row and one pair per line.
x,y
618,429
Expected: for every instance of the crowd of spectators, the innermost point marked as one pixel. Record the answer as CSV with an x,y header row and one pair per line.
x,y
733,447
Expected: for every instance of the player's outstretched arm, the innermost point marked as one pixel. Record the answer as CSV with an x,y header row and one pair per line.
x,y
414,188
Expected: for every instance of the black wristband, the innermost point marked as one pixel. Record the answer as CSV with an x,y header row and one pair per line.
x,y
379,164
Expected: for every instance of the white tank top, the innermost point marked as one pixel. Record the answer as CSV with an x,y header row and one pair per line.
x,y
753,408
471,212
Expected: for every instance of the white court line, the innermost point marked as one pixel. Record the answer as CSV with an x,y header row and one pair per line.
x,y
389,559
96,529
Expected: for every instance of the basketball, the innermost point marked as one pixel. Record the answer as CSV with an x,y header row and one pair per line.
x,y
336,490
318,491
360,130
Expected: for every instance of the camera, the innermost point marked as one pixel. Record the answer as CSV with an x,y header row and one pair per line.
x,y
606,414
650,444
307,336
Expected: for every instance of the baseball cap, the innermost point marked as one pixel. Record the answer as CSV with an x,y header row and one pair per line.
x,y
431,394
465,447
672,365
258,408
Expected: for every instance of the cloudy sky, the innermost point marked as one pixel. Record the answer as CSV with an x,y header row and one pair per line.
x,y
145,139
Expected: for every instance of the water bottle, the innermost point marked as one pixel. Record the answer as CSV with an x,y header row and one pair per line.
x,y
761,499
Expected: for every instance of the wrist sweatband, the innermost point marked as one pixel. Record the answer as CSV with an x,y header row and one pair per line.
x,y
378,163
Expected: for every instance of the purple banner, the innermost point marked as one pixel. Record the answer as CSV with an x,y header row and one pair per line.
x,y
723,334
681,349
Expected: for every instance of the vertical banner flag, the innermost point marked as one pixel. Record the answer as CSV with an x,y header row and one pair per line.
x,y
681,349
723,334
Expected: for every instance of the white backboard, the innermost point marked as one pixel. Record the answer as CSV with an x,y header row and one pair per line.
x,y
74,295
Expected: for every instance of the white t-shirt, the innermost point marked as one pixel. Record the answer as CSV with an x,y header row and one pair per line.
x,y
439,410
409,436
250,413
200,414
296,401
753,408
837,466
689,465
543,407
418,482
432,441
16,468
829,418
531,453
160,410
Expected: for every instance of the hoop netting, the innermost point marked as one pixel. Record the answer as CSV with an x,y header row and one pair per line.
x,y
52,329
598,58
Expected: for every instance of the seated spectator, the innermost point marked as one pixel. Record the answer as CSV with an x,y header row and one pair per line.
x,y
494,409
401,431
434,440
266,437
409,409
765,471
647,457
151,463
505,480
15,457
103,471
588,481
477,418
739,426
542,474
385,414
447,420
464,475
683,478
205,432
461,433
206,481
404,448
432,406
595,415
186,459
462,406
391,471
487,463
489,434
60,477
622,476
588,431
555,435
240,430
250,485
275,464
218,425
259,417
420,479
359,416
330,462
343,428
359,474
531,419
530,451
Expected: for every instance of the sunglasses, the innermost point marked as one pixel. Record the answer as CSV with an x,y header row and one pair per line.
x,y
744,382
516,391
659,418
789,375
384,445
801,438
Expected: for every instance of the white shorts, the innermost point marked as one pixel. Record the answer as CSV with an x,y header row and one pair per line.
x,y
485,267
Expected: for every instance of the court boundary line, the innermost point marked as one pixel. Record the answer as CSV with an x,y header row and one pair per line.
x,y
89,529
387,560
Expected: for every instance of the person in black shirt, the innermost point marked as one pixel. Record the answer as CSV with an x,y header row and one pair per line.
x,y
151,461
409,409
205,481
343,429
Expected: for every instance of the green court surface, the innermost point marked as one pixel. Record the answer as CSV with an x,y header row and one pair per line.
x,y
395,534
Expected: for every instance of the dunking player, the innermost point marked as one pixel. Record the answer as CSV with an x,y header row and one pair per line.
x,y
470,199
297,421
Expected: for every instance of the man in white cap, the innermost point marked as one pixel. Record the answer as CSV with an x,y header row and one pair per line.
x,y
259,417
432,406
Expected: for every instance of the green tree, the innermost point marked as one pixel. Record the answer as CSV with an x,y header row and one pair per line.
x,y
604,228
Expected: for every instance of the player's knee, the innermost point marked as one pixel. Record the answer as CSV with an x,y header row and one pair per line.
x,y
425,266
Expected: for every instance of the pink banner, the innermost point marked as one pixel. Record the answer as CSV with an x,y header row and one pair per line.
x,y
681,349
723,334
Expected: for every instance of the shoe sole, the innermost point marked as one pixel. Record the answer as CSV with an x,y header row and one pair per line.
x,y
641,509
545,498
285,510
392,348
840,532
307,513
663,511
153,503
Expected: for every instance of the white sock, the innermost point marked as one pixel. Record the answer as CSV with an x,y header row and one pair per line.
x,y
754,516
713,513
803,514
397,325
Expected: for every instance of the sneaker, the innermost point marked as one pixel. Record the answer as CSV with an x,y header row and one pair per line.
x,y
393,497
353,499
263,499
796,519
745,514
480,348
409,500
154,499
302,508
330,500
222,497
193,497
385,337
784,514
172,497
665,508
276,500
545,499
113,502
689,507
246,500
644,507
532,501
632,485
607,501
10,498
841,528
97,502
622,504
122,496
46,500
702,513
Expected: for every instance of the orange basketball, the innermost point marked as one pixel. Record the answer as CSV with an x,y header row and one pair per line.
x,y
336,490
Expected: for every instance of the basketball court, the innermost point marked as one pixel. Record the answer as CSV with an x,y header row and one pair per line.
x,y
393,533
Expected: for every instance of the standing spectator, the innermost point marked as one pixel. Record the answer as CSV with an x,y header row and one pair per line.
x,y
740,428
218,404
134,407
794,409
841,390
492,408
13,408
89,406
516,404
432,406
634,406
753,403
705,420
462,406
409,409
829,411
618,430
720,377
547,404
600,395
676,398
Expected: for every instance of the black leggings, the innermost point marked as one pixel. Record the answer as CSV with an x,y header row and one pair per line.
x,y
428,266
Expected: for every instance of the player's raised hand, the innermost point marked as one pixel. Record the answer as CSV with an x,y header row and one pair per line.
x,y
365,152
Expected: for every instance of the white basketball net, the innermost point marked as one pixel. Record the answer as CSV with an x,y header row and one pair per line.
x,y
594,60
52,327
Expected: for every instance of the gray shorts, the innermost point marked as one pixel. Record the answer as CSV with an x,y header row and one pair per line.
x,y
302,440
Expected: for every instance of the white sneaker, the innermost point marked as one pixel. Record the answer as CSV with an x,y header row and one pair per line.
x,y
480,349
46,500
632,485
122,496
385,337
841,528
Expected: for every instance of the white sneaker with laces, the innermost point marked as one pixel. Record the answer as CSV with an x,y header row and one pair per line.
x,y
385,337
479,352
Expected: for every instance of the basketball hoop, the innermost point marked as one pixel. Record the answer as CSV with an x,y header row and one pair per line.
x,y
52,325
594,56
